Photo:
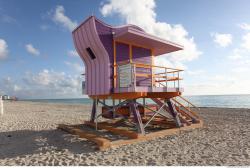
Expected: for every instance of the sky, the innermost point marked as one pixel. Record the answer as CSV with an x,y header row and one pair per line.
x,y
38,58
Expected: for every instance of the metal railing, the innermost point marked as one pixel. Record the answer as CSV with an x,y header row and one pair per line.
x,y
127,73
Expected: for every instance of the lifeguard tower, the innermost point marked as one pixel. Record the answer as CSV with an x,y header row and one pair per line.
x,y
136,96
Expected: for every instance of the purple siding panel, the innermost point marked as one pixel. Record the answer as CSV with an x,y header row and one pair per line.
x,y
98,70
87,72
103,77
106,37
122,52
142,55
94,63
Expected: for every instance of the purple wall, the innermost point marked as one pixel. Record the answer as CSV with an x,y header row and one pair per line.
x,y
106,37
122,52
98,69
142,55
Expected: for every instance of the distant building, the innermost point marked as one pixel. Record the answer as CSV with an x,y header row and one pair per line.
x,y
7,97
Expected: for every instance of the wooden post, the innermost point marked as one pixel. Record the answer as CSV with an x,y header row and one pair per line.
x,y
178,81
166,72
174,112
152,70
113,105
144,101
130,54
93,113
137,116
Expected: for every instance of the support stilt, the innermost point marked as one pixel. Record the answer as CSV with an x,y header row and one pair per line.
x,y
174,112
93,113
137,116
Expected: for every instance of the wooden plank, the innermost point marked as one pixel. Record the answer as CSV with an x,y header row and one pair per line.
x,y
122,132
102,143
105,143
155,135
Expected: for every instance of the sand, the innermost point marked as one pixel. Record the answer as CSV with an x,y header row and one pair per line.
x,y
28,136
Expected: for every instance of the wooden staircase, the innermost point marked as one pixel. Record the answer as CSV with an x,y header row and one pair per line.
x,y
180,109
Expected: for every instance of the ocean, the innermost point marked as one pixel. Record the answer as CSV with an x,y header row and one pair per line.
x,y
225,101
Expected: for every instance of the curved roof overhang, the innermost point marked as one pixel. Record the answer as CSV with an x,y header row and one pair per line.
x,y
139,38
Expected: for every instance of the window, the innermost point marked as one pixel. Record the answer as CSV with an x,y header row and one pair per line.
x,y
91,54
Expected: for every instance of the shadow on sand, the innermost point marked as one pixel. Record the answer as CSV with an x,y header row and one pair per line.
x,y
26,142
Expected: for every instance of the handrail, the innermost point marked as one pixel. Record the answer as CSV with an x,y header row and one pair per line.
x,y
188,102
156,78
186,108
147,66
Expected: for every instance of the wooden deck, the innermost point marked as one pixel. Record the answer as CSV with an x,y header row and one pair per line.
x,y
131,137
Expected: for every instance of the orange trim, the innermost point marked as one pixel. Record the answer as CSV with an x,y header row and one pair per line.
x,y
133,44
158,76
152,73
115,75
136,95
149,66
130,53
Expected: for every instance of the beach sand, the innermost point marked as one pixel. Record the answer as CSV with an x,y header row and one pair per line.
x,y
28,136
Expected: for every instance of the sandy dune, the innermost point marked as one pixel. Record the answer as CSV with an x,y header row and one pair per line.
x,y
28,136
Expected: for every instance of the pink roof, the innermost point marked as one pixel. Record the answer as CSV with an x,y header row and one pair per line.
x,y
141,38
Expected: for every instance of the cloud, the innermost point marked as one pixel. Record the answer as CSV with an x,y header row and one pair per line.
x,y
32,50
73,53
3,49
237,54
231,79
223,40
7,86
232,82
246,41
44,84
245,26
195,72
77,67
60,18
142,13
49,83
